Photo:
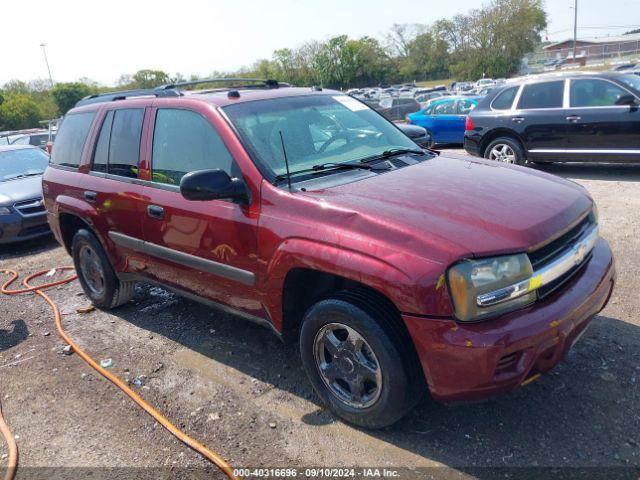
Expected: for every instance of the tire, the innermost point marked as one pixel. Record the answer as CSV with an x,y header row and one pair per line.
x,y
390,390
506,150
95,273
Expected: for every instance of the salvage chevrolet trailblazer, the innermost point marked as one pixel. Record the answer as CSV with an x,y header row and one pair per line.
x,y
398,270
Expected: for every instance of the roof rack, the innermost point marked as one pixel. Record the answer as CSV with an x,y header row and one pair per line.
x,y
237,83
123,94
172,89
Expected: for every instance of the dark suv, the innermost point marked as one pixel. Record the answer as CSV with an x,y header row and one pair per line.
x,y
395,268
577,117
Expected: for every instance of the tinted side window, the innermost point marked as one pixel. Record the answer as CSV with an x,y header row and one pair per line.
x,y
124,148
594,93
70,139
183,142
101,154
542,95
505,99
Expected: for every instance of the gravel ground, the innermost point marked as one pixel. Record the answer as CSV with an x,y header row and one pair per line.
x,y
235,388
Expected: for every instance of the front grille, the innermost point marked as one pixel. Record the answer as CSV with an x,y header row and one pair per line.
x,y
552,250
549,288
29,207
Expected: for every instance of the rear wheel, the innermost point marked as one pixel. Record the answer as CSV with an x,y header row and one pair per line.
x,y
505,150
95,273
356,363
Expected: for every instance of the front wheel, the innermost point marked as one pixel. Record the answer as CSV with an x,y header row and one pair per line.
x,y
506,150
355,363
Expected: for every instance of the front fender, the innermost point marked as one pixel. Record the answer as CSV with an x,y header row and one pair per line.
x,y
407,290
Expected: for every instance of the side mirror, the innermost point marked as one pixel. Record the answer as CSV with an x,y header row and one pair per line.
x,y
625,100
204,185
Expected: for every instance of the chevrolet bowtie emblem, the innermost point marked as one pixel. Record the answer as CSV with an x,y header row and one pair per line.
x,y
579,253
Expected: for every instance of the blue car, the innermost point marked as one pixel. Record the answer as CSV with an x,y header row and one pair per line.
x,y
445,118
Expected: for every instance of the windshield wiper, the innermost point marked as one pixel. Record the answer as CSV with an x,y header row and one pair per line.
x,y
392,152
326,167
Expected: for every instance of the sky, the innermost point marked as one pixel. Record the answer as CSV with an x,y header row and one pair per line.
x,y
201,36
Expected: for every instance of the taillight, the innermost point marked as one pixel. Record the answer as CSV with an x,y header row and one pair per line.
x,y
49,147
469,123
407,119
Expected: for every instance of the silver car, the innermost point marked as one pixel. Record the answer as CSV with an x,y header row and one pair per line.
x,y
22,212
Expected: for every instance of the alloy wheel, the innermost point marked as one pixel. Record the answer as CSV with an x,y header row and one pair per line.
x,y
91,270
502,152
348,366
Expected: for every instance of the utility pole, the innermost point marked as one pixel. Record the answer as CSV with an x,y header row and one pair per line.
x,y
575,29
44,50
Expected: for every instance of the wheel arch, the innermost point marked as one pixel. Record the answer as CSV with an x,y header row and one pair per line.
x,y
501,132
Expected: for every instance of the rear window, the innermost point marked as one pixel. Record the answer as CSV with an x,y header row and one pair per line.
x,y
542,95
71,138
504,100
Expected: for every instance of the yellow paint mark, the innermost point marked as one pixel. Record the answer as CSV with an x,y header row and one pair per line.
x,y
469,343
554,324
440,282
535,282
531,379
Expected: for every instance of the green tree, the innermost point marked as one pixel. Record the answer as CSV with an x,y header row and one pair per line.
x,y
18,111
66,95
492,40
150,78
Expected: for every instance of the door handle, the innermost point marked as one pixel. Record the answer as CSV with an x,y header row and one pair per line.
x,y
154,211
517,119
90,196
574,118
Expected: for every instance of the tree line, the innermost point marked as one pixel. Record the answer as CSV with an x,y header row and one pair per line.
x,y
488,41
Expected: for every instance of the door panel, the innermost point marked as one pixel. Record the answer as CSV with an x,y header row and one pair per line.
x,y
205,247
599,129
118,198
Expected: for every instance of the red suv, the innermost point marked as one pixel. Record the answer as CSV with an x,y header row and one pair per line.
x,y
396,269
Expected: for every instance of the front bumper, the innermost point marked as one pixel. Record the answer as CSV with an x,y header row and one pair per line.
x,y
17,228
474,361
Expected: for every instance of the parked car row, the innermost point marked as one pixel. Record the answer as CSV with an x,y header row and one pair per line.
x,y
41,138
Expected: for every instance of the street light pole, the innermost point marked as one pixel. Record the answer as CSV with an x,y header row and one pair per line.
x,y
575,29
44,50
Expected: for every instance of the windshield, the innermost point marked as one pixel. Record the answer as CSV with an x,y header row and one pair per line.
x,y
631,80
21,163
315,129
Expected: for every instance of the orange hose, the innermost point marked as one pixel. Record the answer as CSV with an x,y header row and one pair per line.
x,y
161,419
13,448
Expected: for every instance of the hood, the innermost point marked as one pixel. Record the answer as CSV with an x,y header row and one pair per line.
x,y
455,207
13,191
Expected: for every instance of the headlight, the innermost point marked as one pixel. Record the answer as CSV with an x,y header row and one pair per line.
x,y
5,211
481,288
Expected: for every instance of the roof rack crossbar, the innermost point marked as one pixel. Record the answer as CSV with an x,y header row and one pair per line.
x,y
253,83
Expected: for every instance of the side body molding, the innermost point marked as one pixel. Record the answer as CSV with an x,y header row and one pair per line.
x,y
220,269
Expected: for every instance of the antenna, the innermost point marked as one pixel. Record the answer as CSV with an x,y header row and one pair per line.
x,y
286,161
